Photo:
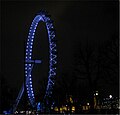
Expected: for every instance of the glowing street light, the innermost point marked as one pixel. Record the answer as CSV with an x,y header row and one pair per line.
x,y
88,104
96,93
110,96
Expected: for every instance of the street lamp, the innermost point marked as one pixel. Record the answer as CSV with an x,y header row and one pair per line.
x,y
110,96
88,104
96,93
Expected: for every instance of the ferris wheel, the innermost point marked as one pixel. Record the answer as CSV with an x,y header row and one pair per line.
x,y
29,62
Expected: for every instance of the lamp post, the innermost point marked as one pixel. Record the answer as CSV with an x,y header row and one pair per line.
x,y
110,96
96,93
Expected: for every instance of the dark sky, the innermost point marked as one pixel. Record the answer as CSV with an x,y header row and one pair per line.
x,y
74,21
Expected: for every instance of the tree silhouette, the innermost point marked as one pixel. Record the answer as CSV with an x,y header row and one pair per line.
x,y
110,61
95,64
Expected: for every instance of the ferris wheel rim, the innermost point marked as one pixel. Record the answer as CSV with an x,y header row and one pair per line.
x,y
29,63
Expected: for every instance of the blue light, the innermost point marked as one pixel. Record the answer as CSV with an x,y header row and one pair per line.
x,y
52,57
38,61
30,79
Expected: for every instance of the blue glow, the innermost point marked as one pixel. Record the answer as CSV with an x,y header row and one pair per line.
x,y
38,61
52,55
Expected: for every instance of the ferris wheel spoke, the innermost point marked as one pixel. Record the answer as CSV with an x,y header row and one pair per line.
x,y
33,61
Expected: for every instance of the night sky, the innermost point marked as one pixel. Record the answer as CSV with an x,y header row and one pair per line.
x,y
74,21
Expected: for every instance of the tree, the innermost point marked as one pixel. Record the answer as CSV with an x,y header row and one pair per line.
x,y
110,60
95,64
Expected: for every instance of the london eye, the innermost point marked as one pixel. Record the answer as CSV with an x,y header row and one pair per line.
x,y
29,62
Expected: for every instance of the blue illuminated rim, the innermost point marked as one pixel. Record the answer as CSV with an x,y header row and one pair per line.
x,y
29,63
